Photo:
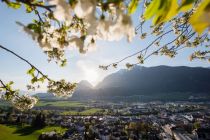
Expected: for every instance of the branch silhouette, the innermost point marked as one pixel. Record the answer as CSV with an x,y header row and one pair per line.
x,y
23,59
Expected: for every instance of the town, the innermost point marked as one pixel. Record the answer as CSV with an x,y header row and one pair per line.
x,y
119,121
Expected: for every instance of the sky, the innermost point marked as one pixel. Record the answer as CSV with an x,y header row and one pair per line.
x,y
79,66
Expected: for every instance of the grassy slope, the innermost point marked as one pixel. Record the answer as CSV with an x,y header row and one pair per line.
x,y
17,133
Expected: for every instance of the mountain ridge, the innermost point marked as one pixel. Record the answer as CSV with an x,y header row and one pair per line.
x,y
158,82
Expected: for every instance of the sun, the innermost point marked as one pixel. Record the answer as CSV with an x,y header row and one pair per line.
x,y
91,76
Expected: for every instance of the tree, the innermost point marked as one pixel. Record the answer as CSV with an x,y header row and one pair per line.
x,y
61,24
39,121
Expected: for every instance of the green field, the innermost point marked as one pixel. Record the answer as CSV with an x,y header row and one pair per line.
x,y
60,103
51,103
4,103
25,133
91,111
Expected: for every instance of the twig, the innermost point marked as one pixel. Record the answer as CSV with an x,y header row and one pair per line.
x,y
25,61
47,7
8,90
142,49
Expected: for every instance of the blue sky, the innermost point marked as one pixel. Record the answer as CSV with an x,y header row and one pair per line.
x,y
80,66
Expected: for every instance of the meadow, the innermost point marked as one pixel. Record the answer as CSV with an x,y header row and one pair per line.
x,y
13,132
60,103
91,111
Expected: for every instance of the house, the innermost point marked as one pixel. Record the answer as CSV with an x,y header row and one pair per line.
x,y
203,133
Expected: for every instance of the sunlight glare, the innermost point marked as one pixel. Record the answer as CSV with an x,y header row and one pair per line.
x,y
91,76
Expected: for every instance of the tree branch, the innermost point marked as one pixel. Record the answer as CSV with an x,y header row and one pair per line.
x,y
23,59
8,90
2,83
141,50
47,7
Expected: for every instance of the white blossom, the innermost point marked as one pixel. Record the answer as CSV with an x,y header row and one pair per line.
x,y
115,30
62,11
50,39
90,43
109,26
61,88
188,44
123,27
24,102
103,31
84,8
77,42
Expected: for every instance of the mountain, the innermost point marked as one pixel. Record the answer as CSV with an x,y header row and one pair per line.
x,y
149,83
160,79
83,85
44,95
82,88
83,91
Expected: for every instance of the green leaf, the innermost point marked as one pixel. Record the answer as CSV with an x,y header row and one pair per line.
x,y
41,79
171,9
32,26
200,19
63,63
72,2
161,13
10,83
35,27
133,6
39,2
14,5
29,9
114,1
161,10
31,71
186,5
34,80
152,9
